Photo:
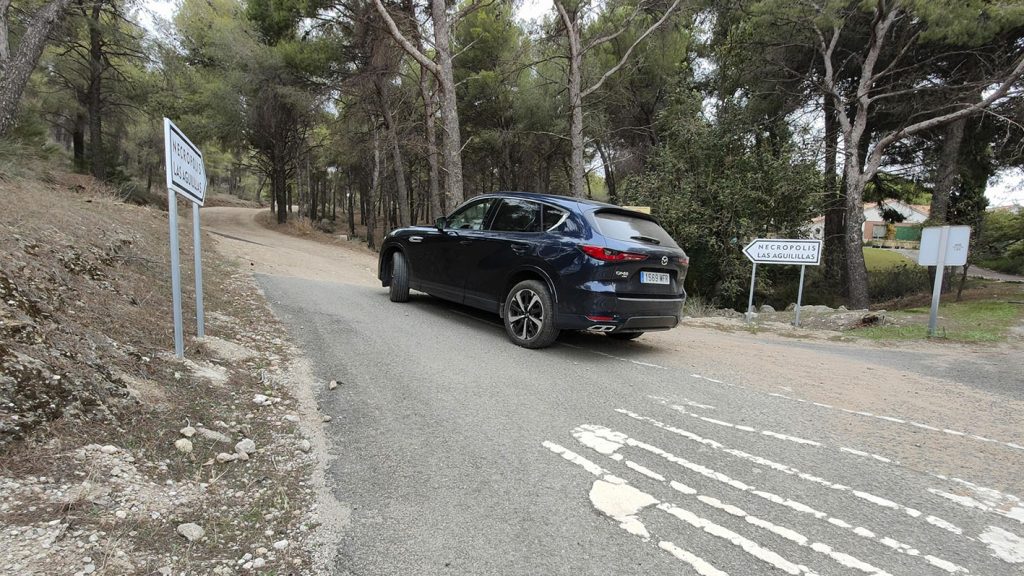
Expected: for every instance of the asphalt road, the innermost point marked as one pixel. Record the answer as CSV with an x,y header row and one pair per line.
x,y
689,452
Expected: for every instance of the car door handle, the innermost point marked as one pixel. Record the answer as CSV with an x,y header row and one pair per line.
x,y
416,239
465,242
520,248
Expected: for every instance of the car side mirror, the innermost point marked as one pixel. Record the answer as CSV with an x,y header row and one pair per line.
x,y
440,223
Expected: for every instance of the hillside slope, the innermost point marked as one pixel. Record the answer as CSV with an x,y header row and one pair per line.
x,y
111,448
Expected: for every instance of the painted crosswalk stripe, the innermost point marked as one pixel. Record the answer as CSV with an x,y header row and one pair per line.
x,y
613,497
791,504
602,440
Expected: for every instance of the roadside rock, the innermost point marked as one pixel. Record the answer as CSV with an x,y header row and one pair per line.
x,y
332,385
305,446
188,431
245,446
191,532
224,457
213,435
767,309
184,445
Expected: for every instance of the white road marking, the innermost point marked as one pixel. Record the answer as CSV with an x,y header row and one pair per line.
x,y
748,546
622,503
613,497
742,427
718,476
1005,504
786,469
1013,513
594,436
606,355
686,401
696,562
1006,546
868,455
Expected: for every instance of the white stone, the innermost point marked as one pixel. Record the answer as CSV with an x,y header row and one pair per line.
x,y
121,514
260,399
245,446
108,449
184,445
258,563
305,446
280,544
332,385
191,532
188,431
327,418
224,457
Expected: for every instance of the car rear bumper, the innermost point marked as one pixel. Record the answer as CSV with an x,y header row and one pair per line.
x,y
603,312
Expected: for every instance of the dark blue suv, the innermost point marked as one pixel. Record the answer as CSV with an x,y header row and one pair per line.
x,y
544,264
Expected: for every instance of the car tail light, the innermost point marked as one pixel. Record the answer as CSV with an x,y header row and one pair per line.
x,y
600,318
609,255
685,260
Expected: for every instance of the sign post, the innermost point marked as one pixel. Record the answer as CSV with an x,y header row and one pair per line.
x,y
186,176
770,251
942,246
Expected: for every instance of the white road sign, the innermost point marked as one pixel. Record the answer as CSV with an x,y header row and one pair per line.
x,y
186,173
772,251
956,246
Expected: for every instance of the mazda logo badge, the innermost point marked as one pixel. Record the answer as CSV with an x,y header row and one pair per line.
x,y
664,260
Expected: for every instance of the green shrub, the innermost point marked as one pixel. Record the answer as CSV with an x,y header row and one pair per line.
x,y
897,282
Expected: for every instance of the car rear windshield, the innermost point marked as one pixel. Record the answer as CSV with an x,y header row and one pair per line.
x,y
633,229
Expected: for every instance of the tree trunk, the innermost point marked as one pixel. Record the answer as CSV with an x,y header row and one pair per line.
x,y
95,94
351,198
429,100
402,192
609,173
856,269
278,183
5,41
78,142
14,74
577,174
949,169
834,230
452,141
371,208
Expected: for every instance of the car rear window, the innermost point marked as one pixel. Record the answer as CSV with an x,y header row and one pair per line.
x,y
621,226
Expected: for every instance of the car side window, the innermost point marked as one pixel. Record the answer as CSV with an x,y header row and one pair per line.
x,y
517,215
471,217
552,217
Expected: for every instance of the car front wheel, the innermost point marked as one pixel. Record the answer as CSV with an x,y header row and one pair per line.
x,y
530,315
399,288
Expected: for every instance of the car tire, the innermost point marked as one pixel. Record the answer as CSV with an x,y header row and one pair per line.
x,y
530,315
624,335
399,287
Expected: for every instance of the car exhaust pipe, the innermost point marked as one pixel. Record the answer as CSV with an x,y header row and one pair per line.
x,y
601,328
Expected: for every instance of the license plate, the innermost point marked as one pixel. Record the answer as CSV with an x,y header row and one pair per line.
x,y
654,278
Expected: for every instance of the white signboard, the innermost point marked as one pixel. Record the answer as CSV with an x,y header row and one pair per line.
x,y
956,246
770,251
186,173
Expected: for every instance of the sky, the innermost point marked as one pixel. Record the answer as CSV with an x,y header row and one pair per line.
x,y
1006,188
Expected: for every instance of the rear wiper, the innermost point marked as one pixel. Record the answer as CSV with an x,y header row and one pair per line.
x,y
647,239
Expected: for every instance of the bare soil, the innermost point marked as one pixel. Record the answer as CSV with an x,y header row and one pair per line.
x,y
94,474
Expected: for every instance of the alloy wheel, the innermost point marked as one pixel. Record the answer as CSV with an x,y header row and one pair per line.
x,y
526,314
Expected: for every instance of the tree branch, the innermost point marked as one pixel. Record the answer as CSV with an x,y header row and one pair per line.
x,y
403,42
629,51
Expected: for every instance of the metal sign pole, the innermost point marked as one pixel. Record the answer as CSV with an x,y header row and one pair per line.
x,y
198,257
799,295
172,210
750,302
940,270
